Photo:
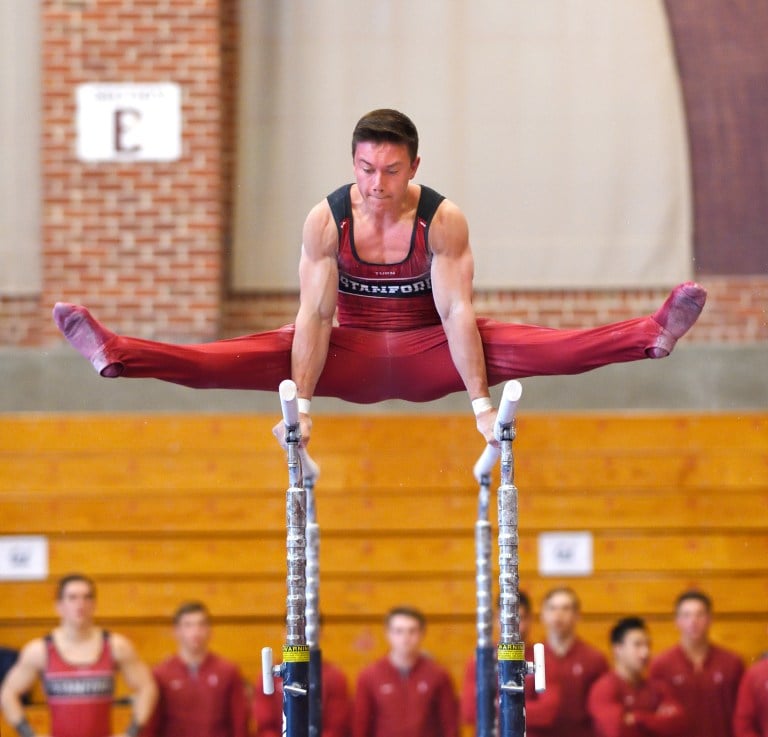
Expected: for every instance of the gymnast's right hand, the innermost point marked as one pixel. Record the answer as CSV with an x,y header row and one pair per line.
x,y
485,423
305,426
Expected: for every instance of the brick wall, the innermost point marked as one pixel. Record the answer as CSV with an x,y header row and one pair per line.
x,y
735,312
146,245
140,243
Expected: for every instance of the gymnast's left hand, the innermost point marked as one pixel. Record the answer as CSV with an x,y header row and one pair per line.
x,y
305,427
485,422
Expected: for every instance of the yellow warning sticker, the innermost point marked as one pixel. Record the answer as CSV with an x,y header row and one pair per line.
x,y
295,653
512,651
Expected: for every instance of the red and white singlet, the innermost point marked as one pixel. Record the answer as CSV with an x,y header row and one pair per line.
x,y
80,696
385,296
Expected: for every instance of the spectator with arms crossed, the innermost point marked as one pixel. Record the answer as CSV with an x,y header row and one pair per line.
x,y
623,702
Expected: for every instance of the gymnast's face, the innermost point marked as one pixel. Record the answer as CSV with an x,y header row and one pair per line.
x,y
77,604
382,172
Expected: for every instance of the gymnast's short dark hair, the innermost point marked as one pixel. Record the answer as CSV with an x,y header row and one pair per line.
x,y
64,581
386,126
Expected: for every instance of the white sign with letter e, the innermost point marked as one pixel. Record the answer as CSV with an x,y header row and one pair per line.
x,y
23,558
565,554
129,122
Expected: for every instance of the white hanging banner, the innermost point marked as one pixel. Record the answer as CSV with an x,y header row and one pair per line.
x,y
23,558
556,126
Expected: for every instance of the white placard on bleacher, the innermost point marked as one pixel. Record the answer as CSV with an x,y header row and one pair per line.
x,y
23,557
565,554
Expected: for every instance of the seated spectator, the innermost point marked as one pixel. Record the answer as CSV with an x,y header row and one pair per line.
x,y
750,717
201,693
572,667
77,663
623,702
405,693
703,676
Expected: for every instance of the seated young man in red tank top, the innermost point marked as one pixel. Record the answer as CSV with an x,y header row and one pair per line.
x,y
77,663
393,258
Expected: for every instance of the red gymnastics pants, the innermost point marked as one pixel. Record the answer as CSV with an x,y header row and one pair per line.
x,y
365,366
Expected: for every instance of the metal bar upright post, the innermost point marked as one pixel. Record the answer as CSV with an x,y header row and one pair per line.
x,y
512,665
485,651
295,651
312,610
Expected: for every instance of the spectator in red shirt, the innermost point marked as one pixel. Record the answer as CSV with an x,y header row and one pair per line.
x,y
623,702
751,715
572,667
540,709
405,693
335,704
703,676
201,693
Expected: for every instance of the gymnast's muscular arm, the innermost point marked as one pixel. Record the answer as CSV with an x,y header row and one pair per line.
x,y
137,676
452,271
21,677
318,289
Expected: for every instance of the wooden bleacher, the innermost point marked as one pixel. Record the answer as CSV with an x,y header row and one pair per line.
x,y
163,508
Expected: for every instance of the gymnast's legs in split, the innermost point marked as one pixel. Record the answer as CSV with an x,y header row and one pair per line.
x,y
366,366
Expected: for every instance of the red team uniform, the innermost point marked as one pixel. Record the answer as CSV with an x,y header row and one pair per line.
x,y
209,701
709,695
655,710
750,718
420,703
573,675
80,696
389,343
336,706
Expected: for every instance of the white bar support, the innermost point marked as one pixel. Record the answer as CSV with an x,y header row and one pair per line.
x,y
539,672
267,676
513,390
289,402
486,462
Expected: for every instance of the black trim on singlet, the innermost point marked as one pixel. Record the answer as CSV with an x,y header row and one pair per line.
x,y
106,642
340,203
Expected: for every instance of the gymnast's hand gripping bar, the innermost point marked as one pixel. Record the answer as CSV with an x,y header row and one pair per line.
x,y
513,390
290,406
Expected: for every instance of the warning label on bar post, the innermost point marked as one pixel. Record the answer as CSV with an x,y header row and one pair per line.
x,y
295,653
512,651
